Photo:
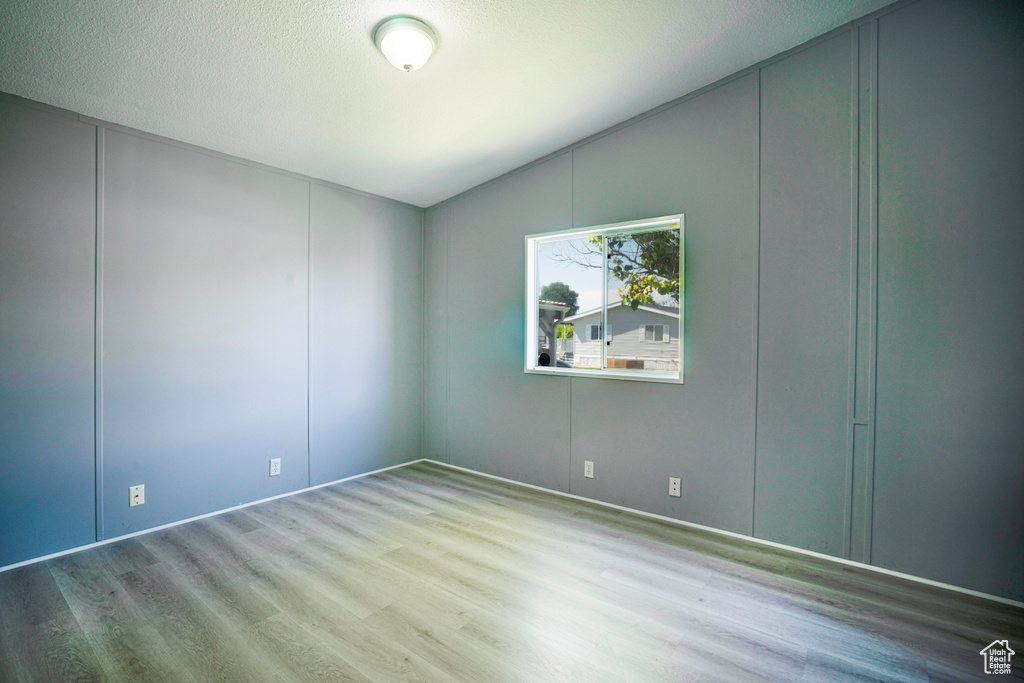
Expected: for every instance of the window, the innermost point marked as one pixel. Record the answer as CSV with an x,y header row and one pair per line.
x,y
581,285
655,333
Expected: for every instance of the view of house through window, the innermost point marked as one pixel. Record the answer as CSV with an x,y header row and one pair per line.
x,y
568,280
607,301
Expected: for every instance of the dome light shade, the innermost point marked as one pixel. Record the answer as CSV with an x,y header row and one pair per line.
x,y
406,42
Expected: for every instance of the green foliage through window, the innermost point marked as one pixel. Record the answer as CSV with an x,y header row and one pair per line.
x,y
647,263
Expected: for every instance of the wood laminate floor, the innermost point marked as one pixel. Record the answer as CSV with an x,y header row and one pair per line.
x,y
431,574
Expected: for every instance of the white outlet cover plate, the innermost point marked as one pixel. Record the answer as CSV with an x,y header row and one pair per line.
x,y
588,469
136,495
674,484
275,467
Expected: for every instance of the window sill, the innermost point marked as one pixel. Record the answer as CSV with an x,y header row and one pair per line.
x,y
629,375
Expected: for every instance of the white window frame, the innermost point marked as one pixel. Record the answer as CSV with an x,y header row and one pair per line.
x,y
611,229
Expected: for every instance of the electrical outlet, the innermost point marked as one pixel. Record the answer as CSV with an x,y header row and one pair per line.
x,y
275,466
674,484
588,469
136,495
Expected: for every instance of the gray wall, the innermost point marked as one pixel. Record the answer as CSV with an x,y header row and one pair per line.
x,y
435,333
243,314
365,334
949,451
204,332
803,333
47,286
524,438
697,158
853,212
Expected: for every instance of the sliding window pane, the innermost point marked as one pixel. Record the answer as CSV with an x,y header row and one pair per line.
x,y
569,303
643,294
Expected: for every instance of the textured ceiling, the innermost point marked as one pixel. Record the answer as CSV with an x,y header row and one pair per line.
x,y
298,84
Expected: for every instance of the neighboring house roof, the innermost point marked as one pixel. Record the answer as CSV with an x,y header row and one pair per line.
x,y
670,311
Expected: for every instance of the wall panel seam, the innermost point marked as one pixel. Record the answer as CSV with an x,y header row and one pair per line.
x,y
851,399
757,294
98,336
568,482
873,287
309,341
423,333
572,222
447,335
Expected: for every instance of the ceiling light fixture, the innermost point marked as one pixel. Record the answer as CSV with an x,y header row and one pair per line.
x,y
406,42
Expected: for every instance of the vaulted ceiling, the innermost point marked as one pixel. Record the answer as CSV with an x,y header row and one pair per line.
x,y
298,84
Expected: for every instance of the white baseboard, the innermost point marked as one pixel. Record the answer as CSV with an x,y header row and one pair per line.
x,y
670,520
749,539
108,541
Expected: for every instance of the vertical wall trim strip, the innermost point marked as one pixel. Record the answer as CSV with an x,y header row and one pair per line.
x,y
873,295
862,413
423,333
757,294
309,344
572,222
568,484
572,188
447,335
851,400
98,337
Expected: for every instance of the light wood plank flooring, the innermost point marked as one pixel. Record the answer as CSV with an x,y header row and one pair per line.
x,y
431,574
